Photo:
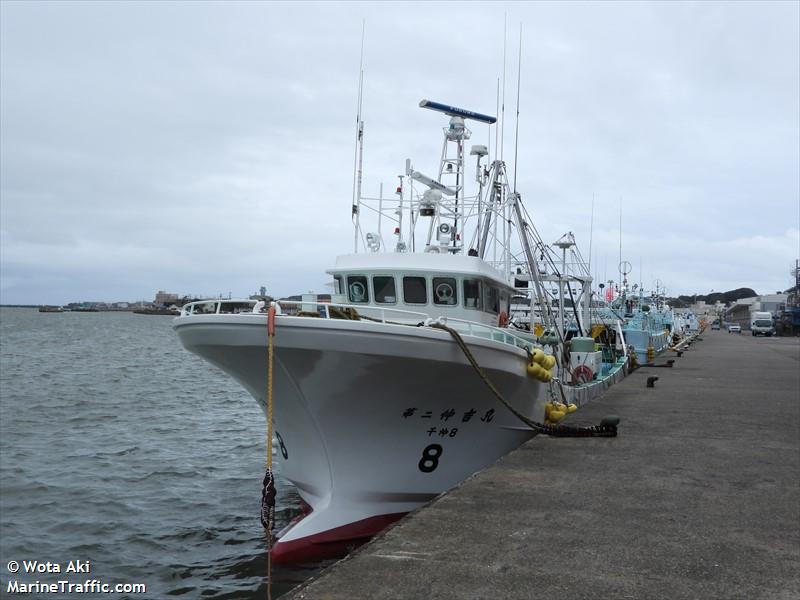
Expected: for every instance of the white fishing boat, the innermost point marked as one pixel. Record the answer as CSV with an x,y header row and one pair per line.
x,y
377,410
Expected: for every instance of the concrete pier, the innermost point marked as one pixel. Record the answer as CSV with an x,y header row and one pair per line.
x,y
698,497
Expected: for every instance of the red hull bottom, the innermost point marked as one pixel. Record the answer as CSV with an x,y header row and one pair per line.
x,y
334,543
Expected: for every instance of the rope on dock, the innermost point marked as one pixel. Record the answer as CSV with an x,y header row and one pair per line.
x,y
602,430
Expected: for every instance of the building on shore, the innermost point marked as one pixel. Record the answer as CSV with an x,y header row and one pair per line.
x,y
165,299
739,312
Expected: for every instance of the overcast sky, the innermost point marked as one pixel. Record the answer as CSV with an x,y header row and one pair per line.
x,y
206,148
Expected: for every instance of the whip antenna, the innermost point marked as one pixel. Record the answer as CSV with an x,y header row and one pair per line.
x,y
620,231
503,103
359,149
591,231
516,131
497,129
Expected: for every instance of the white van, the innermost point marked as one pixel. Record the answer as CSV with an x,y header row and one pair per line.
x,y
761,324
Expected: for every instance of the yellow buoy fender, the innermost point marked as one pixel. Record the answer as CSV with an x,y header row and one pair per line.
x,y
556,415
538,371
537,356
535,370
571,408
549,362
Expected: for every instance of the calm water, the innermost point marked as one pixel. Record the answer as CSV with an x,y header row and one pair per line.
x,y
119,447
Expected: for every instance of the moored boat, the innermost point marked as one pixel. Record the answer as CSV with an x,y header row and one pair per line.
x,y
377,410
157,311
50,309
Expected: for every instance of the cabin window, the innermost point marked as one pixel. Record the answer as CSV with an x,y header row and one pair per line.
x,y
415,290
235,307
444,291
491,301
337,284
472,293
357,289
383,289
206,308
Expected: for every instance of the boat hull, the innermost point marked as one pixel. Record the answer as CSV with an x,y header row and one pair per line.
x,y
372,420
641,340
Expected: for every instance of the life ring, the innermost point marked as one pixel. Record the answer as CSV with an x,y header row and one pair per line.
x,y
444,292
358,291
502,319
582,374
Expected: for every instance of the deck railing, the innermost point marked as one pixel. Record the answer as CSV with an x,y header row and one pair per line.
x,y
377,313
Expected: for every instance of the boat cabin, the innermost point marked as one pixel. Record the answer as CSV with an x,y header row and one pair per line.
x,y
460,287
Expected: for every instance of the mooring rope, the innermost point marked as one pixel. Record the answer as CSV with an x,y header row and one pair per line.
x,y
268,487
603,430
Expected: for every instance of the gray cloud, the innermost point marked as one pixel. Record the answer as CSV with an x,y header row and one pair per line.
x,y
207,148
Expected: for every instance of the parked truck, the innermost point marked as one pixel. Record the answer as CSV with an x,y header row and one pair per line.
x,y
761,323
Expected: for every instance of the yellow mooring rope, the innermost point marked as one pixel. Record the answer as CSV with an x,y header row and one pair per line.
x,y
270,335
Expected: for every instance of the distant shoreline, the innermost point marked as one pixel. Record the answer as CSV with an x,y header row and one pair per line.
x,y
38,305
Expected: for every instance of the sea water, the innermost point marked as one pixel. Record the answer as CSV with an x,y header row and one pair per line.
x,y
120,449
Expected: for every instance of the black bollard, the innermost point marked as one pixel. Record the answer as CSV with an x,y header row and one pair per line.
x,y
651,381
610,421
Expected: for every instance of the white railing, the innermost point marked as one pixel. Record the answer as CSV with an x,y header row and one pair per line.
x,y
379,313
488,332
217,307
245,307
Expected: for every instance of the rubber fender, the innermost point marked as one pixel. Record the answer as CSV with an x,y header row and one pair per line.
x,y
571,408
535,370
548,407
537,356
557,415
502,320
549,362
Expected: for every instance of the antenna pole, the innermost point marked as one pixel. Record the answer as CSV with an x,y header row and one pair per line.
x,y
359,151
516,130
497,128
503,104
620,231
591,232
